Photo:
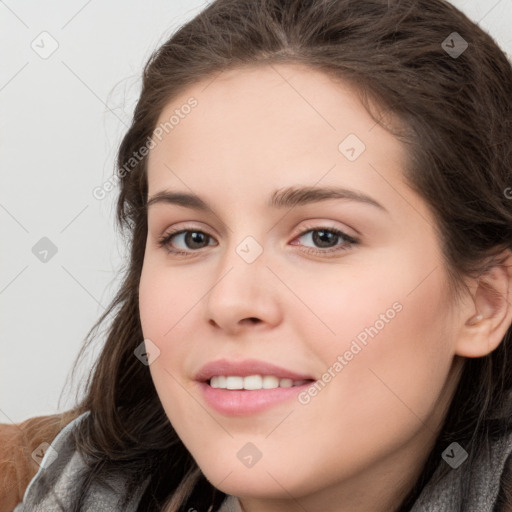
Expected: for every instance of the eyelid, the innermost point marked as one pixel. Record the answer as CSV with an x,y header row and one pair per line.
x,y
348,240
327,225
320,224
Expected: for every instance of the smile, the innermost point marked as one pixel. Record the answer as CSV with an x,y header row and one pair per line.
x,y
248,386
253,382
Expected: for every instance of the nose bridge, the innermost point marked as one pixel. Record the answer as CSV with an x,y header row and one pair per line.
x,y
242,268
241,289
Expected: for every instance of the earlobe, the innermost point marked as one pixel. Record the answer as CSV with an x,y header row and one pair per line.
x,y
487,323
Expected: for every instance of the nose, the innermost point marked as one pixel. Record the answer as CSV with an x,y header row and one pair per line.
x,y
242,294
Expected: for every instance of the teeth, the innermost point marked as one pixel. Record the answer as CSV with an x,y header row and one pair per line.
x,y
270,382
252,382
234,382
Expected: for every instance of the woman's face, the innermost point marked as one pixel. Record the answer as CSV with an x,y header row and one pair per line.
x,y
262,291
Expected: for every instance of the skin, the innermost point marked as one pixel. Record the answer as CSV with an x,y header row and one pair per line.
x,y
360,443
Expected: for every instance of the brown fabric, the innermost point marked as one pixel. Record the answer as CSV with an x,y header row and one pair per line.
x,y
17,442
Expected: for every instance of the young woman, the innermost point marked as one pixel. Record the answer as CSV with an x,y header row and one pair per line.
x,y
317,310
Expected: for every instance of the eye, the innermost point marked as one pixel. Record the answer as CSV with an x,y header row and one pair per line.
x,y
328,239
193,238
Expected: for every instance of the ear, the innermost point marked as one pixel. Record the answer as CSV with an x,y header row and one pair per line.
x,y
485,324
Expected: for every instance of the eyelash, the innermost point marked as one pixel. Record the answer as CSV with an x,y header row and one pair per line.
x,y
164,241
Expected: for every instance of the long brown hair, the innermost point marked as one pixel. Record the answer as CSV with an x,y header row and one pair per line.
x,y
456,111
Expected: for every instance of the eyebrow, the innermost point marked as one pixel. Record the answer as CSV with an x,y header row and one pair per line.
x,y
283,198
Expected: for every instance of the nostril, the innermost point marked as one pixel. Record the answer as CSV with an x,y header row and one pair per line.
x,y
252,320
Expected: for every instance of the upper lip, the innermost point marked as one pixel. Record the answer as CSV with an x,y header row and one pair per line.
x,y
245,368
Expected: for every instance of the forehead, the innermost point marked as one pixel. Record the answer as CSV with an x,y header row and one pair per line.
x,y
269,123
262,99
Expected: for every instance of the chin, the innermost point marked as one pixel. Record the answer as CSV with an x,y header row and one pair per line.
x,y
265,481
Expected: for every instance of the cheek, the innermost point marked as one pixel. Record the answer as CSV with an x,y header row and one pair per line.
x,y
167,301
390,363
389,390
158,306
165,296
392,330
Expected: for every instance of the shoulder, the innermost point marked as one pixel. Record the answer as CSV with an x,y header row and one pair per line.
x,y
504,501
50,447
61,477
488,481
20,453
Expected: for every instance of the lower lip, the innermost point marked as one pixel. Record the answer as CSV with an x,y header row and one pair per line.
x,y
245,402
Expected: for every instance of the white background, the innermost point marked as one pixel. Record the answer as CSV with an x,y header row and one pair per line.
x,y
60,125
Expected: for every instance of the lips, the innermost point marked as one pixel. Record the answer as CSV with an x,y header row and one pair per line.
x,y
245,368
242,402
